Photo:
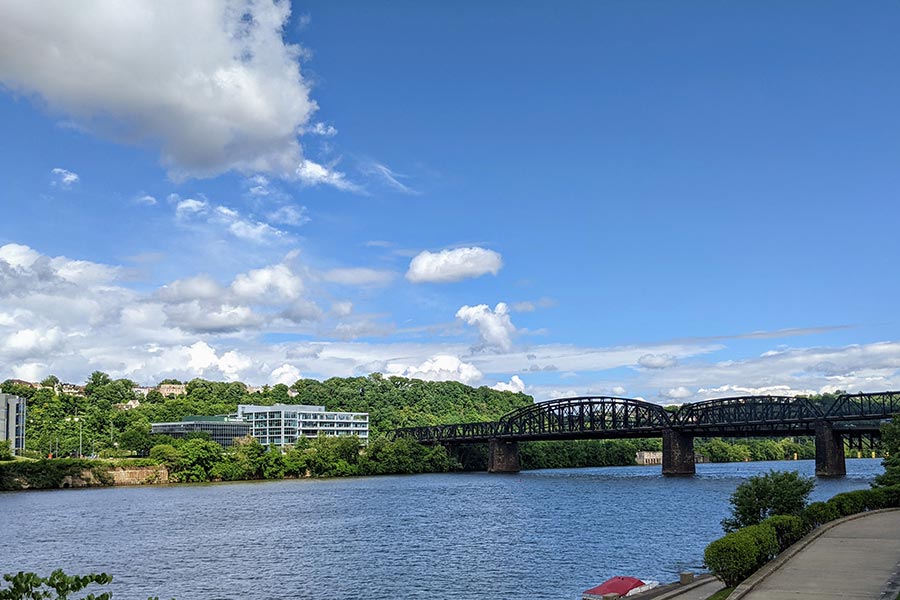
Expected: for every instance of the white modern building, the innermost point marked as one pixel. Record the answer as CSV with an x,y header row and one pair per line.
x,y
284,424
12,422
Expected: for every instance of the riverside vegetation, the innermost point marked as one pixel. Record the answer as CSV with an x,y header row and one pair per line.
x,y
65,425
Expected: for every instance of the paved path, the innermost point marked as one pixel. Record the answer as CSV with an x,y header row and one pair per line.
x,y
854,559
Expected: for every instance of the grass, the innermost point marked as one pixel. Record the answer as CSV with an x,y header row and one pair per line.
x,y
722,594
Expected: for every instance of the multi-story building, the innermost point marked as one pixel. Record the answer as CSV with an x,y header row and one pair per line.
x,y
12,422
222,430
172,389
284,424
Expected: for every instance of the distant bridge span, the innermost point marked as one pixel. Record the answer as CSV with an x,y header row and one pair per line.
x,y
851,416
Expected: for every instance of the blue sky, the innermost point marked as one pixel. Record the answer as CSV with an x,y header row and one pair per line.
x,y
670,201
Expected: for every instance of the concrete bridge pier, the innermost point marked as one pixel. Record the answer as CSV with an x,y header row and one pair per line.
x,y
503,456
678,453
829,451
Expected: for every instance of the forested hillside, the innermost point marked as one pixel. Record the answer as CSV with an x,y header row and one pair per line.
x,y
61,423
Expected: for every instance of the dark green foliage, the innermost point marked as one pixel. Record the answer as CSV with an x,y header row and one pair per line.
x,y
58,586
719,450
48,474
196,460
6,452
165,454
890,445
818,513
850,503
761,496
394,402
404,455
740,553
583,453
58,422
788,529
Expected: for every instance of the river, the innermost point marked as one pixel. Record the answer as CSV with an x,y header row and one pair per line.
x,y
534,535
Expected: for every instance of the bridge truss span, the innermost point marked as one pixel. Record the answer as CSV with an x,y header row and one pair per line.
x,y
749,416
585,417
456,432
854,407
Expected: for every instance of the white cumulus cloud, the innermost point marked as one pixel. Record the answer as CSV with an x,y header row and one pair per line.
x,y
441,367
286,374
494,326
275,283
676,393
515,385
213,83
453,265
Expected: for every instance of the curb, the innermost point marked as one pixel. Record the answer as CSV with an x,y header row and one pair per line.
x,y
748,584
699,581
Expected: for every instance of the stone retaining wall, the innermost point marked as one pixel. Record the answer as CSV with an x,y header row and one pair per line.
x,y
139,475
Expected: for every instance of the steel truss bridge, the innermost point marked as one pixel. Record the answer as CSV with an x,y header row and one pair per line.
x,y
851,418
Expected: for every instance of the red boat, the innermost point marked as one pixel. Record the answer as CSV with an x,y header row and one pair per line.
x,y
623,586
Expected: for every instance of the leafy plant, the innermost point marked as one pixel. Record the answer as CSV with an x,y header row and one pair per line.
x,y
761,496
58,586
736,556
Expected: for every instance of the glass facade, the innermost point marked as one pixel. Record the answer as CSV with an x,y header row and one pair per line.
x,y
220,429
284,424
12,422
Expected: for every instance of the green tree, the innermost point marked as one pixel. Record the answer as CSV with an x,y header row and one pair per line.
x,y
97,380
196,460
762,496
890,445
51,381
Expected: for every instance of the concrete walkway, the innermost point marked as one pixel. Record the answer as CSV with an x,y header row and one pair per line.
x,y
853,558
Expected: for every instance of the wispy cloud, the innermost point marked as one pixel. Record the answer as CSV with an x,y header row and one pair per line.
x,y
311,173
387,176
63,178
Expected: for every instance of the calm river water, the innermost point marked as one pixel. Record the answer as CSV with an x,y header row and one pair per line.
x,y
535,535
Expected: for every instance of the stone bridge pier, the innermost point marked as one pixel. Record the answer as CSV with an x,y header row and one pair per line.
x,y
678,453
829,451
503,456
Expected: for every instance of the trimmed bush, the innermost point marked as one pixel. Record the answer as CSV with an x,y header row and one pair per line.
x,y
818,513
740,553
850,503
788,529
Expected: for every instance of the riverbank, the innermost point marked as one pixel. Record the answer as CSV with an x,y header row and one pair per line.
x,y
65,473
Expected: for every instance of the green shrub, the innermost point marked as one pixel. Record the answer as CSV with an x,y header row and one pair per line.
x,y
850,503
740,553
788,529
818,513
761,496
